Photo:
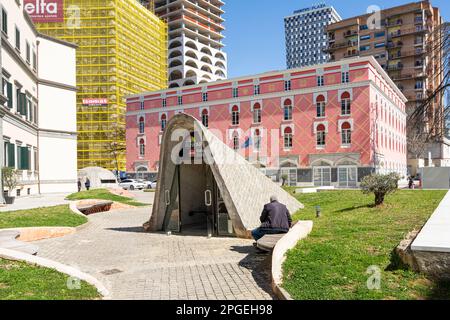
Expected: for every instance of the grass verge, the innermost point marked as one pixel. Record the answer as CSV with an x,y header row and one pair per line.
x,y
22,281
350,237
58,216
103,194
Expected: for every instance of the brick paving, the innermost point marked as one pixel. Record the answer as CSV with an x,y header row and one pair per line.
x,y
137,265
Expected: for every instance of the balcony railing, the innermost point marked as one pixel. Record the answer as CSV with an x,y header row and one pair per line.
x,y
351,54
398,66
350,33
397,44
394,23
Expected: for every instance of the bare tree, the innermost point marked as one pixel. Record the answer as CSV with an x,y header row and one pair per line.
x,y
117,146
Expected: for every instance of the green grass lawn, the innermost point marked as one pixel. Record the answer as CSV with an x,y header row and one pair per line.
x,y
21,281
103,194
351,236
58,216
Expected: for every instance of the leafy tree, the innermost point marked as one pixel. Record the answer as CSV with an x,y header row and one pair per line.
x,y
10,178
381,185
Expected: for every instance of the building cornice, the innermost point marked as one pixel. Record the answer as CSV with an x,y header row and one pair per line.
x,y
312,69
59,41
17,121
60,134
272,95
57,85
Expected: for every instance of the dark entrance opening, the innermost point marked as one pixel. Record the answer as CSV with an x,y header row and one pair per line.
x,y
194,204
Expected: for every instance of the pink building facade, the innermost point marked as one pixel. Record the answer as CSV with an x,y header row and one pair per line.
x,y
325,125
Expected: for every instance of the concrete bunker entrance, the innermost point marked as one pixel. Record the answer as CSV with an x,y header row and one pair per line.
x,y
198,207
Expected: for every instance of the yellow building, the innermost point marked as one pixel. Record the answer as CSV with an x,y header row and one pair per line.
x,y
122,50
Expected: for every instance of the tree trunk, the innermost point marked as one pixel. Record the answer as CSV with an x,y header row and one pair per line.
x,y
379,199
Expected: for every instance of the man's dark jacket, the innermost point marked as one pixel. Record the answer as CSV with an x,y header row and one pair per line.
x,y
276,216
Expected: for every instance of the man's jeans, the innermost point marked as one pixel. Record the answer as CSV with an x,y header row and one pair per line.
x,y
261,232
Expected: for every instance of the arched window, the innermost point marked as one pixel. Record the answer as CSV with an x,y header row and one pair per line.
x,y
257,138
288,138
287,107
163,122
142,147
346,133
345,104
141,125
321,135
205,118
320,103
235,116
235,141
257,113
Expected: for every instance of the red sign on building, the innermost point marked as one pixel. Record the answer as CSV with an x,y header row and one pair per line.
x,y
95,102
45,10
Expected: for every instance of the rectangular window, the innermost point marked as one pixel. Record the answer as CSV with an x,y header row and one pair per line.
x,y
320,109
379,34
8,92
345,77
320,81
363,27
365,37
180,100
141,105
380,45
287,113
10,158
345,107
287,85
4,21
321,138
17,39
164,103
256,90
364,48
235,92
34,61
288,140
28,53
205,96
346,137
257,116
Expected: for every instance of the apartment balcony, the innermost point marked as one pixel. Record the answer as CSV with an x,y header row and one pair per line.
x,y
351,54
350,33
391,45
395,67
418,20
404,54
394,23
408,76
342,44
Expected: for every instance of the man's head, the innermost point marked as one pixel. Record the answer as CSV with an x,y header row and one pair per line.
x,y
273,198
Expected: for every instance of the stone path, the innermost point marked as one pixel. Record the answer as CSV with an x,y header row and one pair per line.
x,y
137,265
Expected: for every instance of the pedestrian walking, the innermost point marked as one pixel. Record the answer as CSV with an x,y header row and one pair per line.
x,y
87,184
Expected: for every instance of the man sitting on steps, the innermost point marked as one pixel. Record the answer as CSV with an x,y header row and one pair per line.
x,y
275,219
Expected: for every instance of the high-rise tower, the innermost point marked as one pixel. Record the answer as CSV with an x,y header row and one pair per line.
x,y
195,40
306,37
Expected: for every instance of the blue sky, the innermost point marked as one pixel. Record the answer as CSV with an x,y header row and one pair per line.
x,y
255,29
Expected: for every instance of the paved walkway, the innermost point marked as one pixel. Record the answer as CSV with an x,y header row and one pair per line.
x,y
36,201
137,265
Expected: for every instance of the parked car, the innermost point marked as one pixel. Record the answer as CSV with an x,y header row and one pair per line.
x,y
150,184
130,184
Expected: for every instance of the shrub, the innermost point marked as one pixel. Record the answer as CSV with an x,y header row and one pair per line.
x,y
381,185
10,178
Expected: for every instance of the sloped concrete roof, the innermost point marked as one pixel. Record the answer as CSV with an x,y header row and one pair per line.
x,y
244,188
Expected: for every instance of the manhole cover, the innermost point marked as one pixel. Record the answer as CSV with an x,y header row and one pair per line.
x,y
111,272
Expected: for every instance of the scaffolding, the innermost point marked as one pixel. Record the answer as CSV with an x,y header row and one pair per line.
x,y
122,50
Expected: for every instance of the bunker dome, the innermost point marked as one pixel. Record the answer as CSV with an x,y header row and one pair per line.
x,y
205,187
99,177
